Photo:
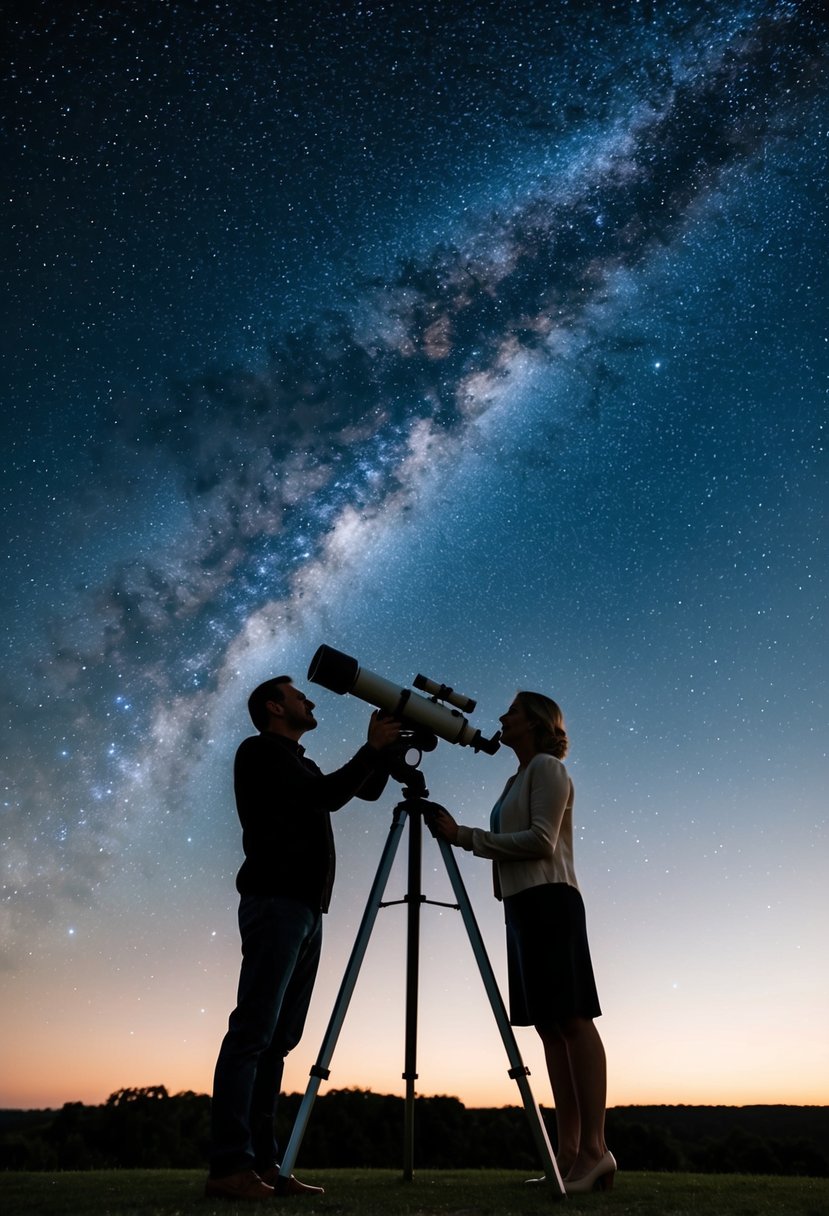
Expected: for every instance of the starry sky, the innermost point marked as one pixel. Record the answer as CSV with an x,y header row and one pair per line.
x,y
480,340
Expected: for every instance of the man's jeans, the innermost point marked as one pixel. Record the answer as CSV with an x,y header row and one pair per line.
x,y
281,940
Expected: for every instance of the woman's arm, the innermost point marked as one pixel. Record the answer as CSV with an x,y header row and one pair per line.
x,y
549,795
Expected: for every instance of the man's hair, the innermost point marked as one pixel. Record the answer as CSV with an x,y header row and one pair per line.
x,y
271,690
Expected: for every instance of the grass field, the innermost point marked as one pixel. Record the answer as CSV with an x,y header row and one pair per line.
x,y
433,1193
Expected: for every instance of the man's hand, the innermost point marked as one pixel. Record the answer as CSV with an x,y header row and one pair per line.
x,y
383,730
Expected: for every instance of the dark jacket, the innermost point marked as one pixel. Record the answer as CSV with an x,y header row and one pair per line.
x,y
285,802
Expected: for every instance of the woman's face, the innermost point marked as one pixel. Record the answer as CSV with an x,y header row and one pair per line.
x,y
515,725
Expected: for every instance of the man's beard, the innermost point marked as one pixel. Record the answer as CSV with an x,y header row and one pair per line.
x,y
302,722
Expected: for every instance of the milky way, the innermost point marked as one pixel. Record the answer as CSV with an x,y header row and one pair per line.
x,y
185,487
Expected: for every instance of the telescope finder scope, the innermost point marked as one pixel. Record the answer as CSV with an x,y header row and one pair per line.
x,y
442,692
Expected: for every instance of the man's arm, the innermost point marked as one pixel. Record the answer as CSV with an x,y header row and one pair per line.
x,y
268,770
383,732
264,764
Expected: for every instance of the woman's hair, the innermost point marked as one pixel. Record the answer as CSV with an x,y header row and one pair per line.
x,y
547,722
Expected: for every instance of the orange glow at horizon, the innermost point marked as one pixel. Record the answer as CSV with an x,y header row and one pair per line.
x,y
87,1043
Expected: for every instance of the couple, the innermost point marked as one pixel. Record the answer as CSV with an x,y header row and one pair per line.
x,y
284,803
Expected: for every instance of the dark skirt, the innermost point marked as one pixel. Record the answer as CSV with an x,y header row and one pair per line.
x,y
548,957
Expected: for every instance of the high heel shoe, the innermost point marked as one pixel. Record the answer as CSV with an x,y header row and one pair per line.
x,y
600,1178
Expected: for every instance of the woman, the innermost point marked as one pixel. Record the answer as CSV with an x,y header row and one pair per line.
x,y
551,983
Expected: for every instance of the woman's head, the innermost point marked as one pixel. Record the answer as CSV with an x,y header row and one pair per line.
x,y
546,722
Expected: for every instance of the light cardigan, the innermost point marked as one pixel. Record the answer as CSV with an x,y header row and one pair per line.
x,y
535,842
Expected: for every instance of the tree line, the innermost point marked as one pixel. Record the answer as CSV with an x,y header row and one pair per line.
x,y
150,1128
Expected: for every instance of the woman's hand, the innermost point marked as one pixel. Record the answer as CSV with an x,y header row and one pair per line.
x,y
440,823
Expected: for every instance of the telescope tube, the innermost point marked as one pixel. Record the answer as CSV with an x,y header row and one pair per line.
x,y
340,673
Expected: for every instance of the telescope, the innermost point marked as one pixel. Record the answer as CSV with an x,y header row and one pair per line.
x,y
340,673
423,718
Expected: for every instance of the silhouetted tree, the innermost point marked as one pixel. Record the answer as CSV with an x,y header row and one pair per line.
x,y
354,1127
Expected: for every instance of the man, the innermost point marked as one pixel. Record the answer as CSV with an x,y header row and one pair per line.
x,y
284,803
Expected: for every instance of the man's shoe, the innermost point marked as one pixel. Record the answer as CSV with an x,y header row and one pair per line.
x,y
246,1185
289,1186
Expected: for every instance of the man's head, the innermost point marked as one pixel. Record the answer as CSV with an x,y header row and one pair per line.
x,y
276,706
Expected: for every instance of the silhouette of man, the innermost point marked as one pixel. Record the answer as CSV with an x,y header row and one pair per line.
x,y
284,803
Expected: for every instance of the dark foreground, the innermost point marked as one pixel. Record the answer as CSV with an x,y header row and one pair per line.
x,y
433,1193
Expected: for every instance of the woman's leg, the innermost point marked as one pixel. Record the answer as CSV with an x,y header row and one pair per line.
x,y
568,1120
588,1069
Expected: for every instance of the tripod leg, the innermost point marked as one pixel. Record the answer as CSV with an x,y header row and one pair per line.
x,y
414,899
518,1071
320,1070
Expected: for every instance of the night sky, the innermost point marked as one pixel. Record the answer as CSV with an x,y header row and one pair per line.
x,y
487,341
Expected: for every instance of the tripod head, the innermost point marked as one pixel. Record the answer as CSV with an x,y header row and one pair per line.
x,y
415,788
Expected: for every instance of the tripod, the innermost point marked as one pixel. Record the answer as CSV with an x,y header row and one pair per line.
x,y
411,809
